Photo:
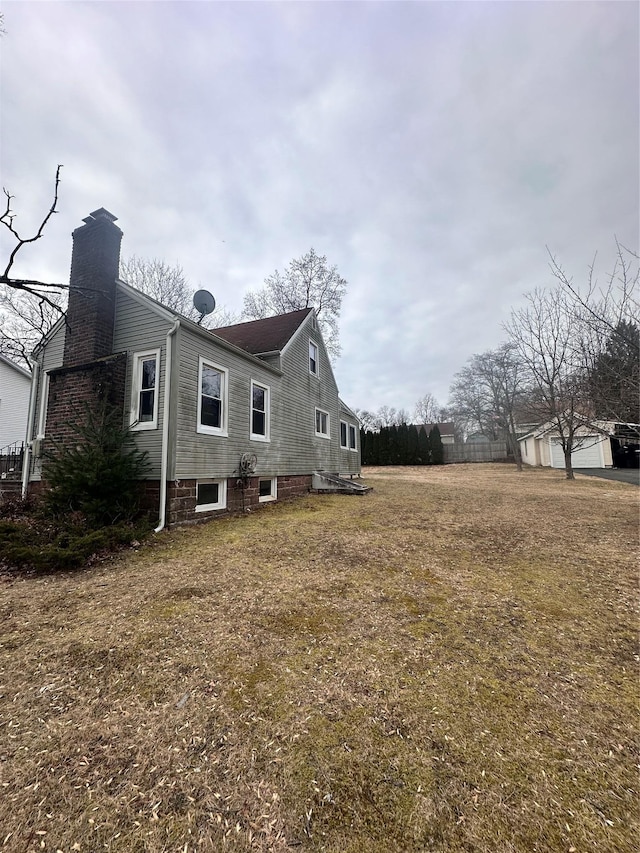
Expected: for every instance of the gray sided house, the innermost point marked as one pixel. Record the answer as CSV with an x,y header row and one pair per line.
x,y
232,418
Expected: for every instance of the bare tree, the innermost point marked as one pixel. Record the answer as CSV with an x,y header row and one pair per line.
x,y
488,391
169,285
28,307
24,320
368,420
427,410
608,317
548,342
308,282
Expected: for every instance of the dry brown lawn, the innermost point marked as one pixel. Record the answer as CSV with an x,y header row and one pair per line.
x,y
449,664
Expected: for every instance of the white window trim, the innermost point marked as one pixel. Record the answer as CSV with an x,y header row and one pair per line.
x,y
350,427
255,436
315,373
222,495
274,490
326,434
44,405
136,377
203,428
346,435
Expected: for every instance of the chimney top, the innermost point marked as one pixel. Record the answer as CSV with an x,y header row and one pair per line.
x,y
101,213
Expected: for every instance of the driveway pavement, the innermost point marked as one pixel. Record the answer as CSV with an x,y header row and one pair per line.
x,y
622,475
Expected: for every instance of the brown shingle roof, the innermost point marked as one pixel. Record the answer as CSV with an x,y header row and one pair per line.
x,y
268,335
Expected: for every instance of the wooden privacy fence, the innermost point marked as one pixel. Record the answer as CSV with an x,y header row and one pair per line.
x,y
480,451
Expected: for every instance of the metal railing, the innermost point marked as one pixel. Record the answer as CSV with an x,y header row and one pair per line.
x,y
11,459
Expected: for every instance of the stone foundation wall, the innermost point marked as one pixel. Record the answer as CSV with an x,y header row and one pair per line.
x,y
181,497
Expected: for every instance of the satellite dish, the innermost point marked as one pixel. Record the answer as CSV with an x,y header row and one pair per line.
x,y
204,303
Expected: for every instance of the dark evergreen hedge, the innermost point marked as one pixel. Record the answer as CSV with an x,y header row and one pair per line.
x,y
401,445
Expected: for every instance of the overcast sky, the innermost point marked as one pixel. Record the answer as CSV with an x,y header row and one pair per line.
x,y
429,150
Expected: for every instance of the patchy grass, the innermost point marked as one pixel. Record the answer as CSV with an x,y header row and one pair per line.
x,y
447,664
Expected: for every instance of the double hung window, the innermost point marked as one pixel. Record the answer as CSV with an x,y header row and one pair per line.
x,y
352,437
260,412
212,403
313,358
144,390
343,434
322,423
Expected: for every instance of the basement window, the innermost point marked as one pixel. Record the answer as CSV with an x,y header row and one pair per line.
x,y
268,489
144,390
211,494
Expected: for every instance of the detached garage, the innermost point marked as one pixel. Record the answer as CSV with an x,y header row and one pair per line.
x,y
543,446
591,453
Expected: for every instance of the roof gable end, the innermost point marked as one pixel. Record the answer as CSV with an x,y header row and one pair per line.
x,y
270,334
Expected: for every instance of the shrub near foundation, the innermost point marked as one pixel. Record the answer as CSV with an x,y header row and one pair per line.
x,y
97,473
90,502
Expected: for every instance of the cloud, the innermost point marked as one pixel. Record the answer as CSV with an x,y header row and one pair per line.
x,y
430,150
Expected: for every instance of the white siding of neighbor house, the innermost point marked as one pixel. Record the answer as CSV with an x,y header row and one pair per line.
x,y
15,387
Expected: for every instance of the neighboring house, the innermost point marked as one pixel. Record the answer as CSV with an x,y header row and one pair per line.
x,y
447,431
477,438
231,418
15,383
593,445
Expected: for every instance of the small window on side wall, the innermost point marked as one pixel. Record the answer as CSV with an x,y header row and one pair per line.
x,y
144,390
322,423
210,495
313,358
267,489
343,434
260,412
212,402
352,438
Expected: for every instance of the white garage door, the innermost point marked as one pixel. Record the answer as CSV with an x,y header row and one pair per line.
x,y
587,456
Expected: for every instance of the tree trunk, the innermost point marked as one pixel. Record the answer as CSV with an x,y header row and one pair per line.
x,y
567,465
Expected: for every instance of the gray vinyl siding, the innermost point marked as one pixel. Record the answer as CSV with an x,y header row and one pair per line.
x,y
200,455
349,459
139,328
294,447
306,452
50,357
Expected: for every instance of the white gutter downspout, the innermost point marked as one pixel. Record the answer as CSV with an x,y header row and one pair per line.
x,y
26,461
165,428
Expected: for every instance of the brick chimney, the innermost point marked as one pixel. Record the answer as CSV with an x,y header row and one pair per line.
x,y
95,262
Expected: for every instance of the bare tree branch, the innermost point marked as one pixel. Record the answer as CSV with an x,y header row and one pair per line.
x,y
7,218
308,282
